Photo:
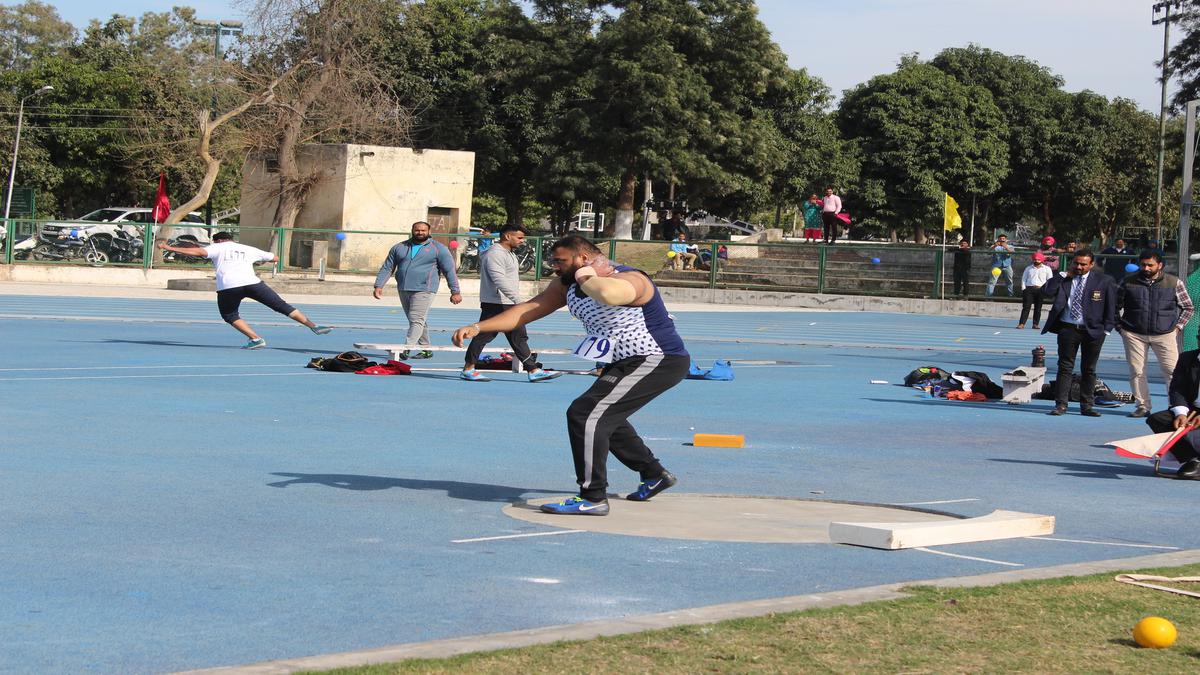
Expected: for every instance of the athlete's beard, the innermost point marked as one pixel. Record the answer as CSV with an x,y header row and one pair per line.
x,y
419,238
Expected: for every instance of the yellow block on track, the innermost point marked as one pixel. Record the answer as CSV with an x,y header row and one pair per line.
x,y
719,440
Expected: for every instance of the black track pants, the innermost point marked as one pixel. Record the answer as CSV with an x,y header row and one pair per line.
x,y
597,421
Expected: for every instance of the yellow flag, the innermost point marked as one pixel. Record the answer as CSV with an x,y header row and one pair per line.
x,y
953,220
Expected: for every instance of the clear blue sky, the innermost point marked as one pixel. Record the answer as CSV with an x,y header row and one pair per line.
x,y
1108,46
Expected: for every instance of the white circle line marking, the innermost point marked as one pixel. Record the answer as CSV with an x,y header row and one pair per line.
x,y
944,501
1104,543
516,536
968,557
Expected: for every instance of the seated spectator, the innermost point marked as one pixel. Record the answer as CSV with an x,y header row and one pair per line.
x,y
486,238
682,253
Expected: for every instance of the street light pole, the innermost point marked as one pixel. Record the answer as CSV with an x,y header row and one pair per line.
x,y
217,29
12,171
1165,20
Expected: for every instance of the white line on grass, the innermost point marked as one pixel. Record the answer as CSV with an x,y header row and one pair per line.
x,y
969,557
516,536
145,377
944,501
1105,543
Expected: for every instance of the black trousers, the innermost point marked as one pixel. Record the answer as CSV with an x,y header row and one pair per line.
x,y
518,339
598,421
1072,340
960,281
1031,297
230,299
830,220
1185,448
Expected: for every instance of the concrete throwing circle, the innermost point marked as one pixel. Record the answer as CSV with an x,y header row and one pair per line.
x,y
766,520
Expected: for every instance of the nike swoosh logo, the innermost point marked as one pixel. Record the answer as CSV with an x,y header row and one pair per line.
x,y
585,507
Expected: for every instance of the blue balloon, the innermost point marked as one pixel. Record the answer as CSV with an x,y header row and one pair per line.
x,y
1131,268
74,234
340,235
875,261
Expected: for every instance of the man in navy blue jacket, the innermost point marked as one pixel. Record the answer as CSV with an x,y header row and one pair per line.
x,y
1083,314
416,264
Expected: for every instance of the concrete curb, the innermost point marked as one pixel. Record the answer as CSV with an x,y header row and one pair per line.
x,y
700,615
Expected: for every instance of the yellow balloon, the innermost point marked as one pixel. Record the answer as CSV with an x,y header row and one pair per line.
x,y
995,271
670,254
1155,632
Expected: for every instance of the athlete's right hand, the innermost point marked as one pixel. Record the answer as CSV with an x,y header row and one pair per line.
x,y
378,293
463,334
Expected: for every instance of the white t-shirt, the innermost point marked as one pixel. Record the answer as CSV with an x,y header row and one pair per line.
x,y
234,263
831,204
1036,276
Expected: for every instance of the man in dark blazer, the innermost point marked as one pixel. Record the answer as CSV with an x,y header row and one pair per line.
x,y
1183,392
1083,313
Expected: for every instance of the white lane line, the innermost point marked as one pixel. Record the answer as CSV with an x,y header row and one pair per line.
x,y
262,365
147,377
516,536
968,557
783,365
1104,543
944,501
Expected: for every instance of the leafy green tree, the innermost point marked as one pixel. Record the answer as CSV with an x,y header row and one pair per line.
x,y
30,30
1183,61
1030,98
675,87
919,133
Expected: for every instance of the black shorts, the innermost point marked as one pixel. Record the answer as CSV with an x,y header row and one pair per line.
x,y
230,299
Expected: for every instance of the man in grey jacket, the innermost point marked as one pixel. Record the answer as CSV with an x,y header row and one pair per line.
x,y
416,263
499,283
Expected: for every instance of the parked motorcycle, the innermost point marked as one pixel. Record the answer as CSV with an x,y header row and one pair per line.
x,y
24,248
70,248
171,256
468,260
124,247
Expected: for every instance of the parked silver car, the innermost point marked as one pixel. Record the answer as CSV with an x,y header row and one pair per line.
x,y
103,223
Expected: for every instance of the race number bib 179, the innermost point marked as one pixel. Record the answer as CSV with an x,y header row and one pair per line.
x,y
595,348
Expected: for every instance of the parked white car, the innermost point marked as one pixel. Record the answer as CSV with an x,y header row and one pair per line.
x,y
102,223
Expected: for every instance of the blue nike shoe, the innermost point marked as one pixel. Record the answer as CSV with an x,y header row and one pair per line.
x,y
649,488
577,506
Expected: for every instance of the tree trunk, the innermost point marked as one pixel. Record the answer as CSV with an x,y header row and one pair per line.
x,y
893,236
1046,213
919,234
623,223
212,165
514,207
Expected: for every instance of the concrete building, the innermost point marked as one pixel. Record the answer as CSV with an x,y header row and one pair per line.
x,y
361,190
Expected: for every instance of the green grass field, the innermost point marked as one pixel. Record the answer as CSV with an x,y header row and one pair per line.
x,y
1068,625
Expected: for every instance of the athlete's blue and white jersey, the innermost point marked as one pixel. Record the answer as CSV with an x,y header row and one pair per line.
x,y
633,331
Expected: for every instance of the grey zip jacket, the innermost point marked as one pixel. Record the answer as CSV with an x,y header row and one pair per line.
x,y
419,272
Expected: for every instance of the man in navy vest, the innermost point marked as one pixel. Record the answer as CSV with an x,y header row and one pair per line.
x,y
1154,307
1083,314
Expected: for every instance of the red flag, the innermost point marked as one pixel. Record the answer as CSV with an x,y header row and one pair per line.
x,y
162,205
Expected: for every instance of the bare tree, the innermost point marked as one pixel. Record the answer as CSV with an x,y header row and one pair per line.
x,y
335,95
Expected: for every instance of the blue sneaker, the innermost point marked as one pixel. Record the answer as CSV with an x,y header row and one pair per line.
x,y
648,488
473,375
540,375
255,344
577,506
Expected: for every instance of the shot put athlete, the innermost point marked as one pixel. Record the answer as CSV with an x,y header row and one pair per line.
x,y
629,331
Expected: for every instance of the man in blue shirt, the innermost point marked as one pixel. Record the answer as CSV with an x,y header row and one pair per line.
x,y
416,263
1001,260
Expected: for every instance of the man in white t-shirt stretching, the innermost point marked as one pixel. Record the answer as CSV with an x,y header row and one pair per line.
x,y
236,281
